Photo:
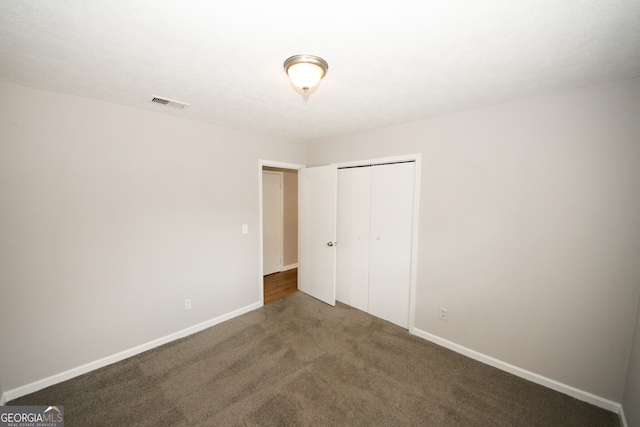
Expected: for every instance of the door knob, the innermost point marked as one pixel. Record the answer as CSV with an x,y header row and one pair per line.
x,y
330,244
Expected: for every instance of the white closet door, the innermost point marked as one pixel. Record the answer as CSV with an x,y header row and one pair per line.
x,y
343,249
354,206
360,223
391,237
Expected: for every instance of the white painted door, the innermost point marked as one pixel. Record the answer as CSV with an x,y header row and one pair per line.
x,y
375,232
391,234
317,210
354,205
343,250
272,221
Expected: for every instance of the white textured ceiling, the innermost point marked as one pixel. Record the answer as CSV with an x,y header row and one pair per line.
x,y
389,61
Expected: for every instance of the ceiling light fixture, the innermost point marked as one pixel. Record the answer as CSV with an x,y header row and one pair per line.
x,y
305,71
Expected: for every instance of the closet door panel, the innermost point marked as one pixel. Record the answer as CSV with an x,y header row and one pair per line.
x,y
343,249
379,268
360,216
391,237
400,243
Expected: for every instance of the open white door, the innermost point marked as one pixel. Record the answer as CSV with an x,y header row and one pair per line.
x,y
317,213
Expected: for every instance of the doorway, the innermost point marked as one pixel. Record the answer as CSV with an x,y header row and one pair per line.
x,y
279,230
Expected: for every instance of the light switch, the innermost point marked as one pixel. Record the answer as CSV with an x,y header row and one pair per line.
x,y
245,228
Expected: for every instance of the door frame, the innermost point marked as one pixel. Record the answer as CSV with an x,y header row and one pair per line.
x,y
417,159
273,164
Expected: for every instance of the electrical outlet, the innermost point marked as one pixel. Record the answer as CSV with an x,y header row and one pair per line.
x,y
187,304
444,314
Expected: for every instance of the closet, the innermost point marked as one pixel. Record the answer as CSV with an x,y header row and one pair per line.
x,y
375,231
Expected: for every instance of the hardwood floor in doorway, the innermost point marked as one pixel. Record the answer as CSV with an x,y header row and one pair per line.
x,y
280,285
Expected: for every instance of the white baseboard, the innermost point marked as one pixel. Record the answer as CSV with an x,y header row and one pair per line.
x,y
71,373
290,267
522,373
3,399
623,420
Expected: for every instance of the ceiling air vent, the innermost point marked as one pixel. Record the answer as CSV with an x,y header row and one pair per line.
x,y
169,102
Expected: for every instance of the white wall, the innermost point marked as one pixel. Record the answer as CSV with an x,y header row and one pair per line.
x,y
631,402
529,230
109,218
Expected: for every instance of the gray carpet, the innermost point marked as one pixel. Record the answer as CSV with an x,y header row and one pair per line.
x,y
298,361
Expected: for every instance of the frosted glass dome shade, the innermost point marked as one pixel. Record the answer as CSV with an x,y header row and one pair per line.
x,y
305,71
